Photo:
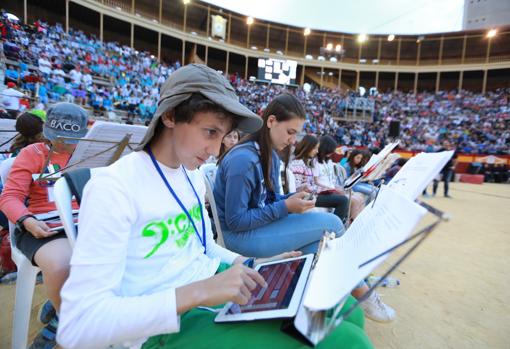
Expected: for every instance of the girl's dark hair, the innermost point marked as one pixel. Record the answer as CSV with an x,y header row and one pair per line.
x,y
284,107
304,147
327,146
184,112
30,128
366,156
400,162
350,160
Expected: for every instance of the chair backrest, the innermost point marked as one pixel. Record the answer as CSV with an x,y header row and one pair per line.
x,y
291,180
16,255
76,181
5,168
341,174
281,189
209,172
70,185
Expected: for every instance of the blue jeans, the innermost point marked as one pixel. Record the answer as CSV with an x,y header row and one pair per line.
x,y
447,176
365,189
295,232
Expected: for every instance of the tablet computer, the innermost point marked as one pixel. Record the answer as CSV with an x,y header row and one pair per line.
x,y
286,281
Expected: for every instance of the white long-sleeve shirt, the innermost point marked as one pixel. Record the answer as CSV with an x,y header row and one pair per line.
x,y
135,246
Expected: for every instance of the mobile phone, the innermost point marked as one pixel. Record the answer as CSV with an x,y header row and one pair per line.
x,y
309,196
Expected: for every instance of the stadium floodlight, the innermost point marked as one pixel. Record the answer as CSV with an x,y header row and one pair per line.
x,y
329,47
492,33
307,31
249,20
362,38
391,37
185,2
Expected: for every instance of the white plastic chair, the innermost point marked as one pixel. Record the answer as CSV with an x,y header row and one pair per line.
x,y
63,201
290,178
209,172
25,283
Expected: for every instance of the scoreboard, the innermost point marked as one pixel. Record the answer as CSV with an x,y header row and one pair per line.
x,y
277,71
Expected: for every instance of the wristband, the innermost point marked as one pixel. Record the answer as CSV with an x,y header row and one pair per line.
x,y
19,222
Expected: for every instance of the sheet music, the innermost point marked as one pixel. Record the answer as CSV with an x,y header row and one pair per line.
x,y
376,158
372,164
7,126
374,231
418,172
104,131
381,169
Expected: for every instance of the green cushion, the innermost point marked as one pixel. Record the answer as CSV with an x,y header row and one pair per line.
x,y
198,330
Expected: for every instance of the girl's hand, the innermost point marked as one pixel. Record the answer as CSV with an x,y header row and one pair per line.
x,y
297,203
38,228
278,257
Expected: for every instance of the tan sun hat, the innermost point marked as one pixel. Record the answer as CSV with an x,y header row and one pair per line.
x,y
198,78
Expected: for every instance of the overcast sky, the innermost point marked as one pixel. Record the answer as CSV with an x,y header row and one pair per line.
x,y
356,16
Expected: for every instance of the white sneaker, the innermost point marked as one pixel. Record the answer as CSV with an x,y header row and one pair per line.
x,y
376,310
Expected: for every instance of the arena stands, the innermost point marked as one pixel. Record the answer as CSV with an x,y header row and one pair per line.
x,y
108,76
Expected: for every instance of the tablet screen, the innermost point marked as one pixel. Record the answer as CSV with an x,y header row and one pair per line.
x,y
281,279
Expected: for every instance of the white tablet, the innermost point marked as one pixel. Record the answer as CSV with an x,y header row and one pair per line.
x,y
286,280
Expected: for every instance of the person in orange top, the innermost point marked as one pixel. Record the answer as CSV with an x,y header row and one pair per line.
x,y
24,197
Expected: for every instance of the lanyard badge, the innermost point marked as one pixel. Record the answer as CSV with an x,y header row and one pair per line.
x,y
160,172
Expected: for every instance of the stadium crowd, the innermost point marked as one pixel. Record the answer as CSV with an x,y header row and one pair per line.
x,y
78,68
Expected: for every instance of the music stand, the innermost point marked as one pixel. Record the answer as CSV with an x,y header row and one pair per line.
x,y
118,146
321,323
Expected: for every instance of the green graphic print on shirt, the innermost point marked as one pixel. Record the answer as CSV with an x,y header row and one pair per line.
x,y
179,227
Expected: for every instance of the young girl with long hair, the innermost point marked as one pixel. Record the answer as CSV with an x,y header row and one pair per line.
x,y
356,160
255,219
320,175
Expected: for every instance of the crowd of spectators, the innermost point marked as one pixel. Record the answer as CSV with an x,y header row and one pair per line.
x,y
77,68
107,76
474,122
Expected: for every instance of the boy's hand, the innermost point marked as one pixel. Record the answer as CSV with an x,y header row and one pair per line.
x,y
233,285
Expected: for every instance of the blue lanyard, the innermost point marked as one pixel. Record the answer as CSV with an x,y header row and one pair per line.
x,y
202,239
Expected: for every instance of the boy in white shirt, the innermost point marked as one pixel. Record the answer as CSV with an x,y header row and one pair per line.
x,y
140,269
